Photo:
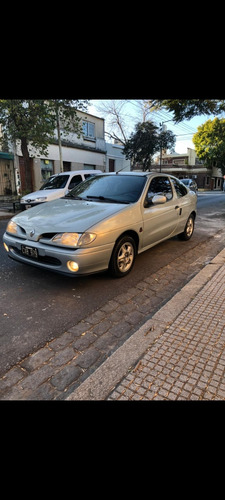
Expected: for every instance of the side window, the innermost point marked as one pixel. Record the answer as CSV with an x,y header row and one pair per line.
x,y
180,188
76,179
161,186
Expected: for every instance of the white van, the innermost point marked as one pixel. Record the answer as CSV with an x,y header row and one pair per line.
x,y
56,186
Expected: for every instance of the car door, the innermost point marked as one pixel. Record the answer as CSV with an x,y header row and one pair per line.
x,y
159,220
182,204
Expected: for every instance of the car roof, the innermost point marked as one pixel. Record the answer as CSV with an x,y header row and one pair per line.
x,y
143,174
133,172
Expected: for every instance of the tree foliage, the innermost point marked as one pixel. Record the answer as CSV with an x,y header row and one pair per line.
x,y
188,108
33,122
209,143
26,119
145,142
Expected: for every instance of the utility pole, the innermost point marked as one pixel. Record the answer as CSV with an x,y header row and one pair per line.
x,y
163,129
59,139
60,144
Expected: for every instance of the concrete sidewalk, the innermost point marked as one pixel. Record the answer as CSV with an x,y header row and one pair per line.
x,y
179,354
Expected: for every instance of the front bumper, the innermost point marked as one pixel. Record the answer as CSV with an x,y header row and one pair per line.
x,y
89,260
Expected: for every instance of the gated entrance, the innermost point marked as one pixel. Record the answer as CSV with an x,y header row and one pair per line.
x,y
7,177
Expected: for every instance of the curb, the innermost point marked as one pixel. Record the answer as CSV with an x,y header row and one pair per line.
x,y
101,383
5,215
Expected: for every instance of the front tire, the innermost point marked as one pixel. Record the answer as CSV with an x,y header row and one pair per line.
x,y
123,257
189,229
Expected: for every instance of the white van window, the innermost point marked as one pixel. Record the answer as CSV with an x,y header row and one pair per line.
x,y
76,179
57,182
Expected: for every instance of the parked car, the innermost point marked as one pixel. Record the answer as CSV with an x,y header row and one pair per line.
x,y
103,223
191,184
56,186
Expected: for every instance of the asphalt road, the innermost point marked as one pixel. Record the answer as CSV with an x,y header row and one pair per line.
x,y
36,306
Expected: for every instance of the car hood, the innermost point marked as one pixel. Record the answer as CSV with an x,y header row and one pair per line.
x,y
65,215
50,194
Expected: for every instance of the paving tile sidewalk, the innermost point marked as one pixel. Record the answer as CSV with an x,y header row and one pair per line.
x,y
178,355
187,362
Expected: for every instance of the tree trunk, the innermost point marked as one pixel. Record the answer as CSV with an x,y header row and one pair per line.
x,y
27,164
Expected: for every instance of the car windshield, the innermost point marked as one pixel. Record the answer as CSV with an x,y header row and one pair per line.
x,y
55,182
185,181
110,188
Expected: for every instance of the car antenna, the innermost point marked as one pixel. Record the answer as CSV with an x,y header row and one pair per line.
x,y
120,169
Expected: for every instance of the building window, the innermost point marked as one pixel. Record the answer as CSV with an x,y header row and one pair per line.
x,y
89,130
46,169
66,166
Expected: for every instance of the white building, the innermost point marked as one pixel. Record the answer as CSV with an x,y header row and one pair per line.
x,y
115,158
89,151
85,152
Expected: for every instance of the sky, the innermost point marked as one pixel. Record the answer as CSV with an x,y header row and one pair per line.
x,y
184,131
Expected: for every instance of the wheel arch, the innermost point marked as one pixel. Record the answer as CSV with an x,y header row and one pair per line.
x,y
129,259
132,234
193,213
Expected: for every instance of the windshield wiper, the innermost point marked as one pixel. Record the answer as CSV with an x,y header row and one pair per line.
x,y
103,198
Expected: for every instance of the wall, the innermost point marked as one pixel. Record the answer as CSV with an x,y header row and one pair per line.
x,y
115,152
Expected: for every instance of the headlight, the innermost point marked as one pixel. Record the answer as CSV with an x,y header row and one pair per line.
x,y
11,227
86,239
41,198
74,239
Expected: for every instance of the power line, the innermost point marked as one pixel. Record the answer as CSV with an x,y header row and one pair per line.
x,y
133,110
179,135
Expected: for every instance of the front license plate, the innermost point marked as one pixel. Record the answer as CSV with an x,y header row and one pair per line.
x,y
27,206
29,251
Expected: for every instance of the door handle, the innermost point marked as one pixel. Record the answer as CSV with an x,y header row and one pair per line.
x,y
177,206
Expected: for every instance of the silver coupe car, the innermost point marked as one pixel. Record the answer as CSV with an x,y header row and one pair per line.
x,y
103,223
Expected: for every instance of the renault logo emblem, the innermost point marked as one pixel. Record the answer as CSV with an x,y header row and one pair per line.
x,y
32,232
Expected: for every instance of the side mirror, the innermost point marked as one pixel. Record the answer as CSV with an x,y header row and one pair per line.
x,y
159,199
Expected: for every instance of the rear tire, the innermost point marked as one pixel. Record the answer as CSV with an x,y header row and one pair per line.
x,y
123,257
189,229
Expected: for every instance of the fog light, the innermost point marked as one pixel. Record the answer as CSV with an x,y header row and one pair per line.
x,y
72,266
6,247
